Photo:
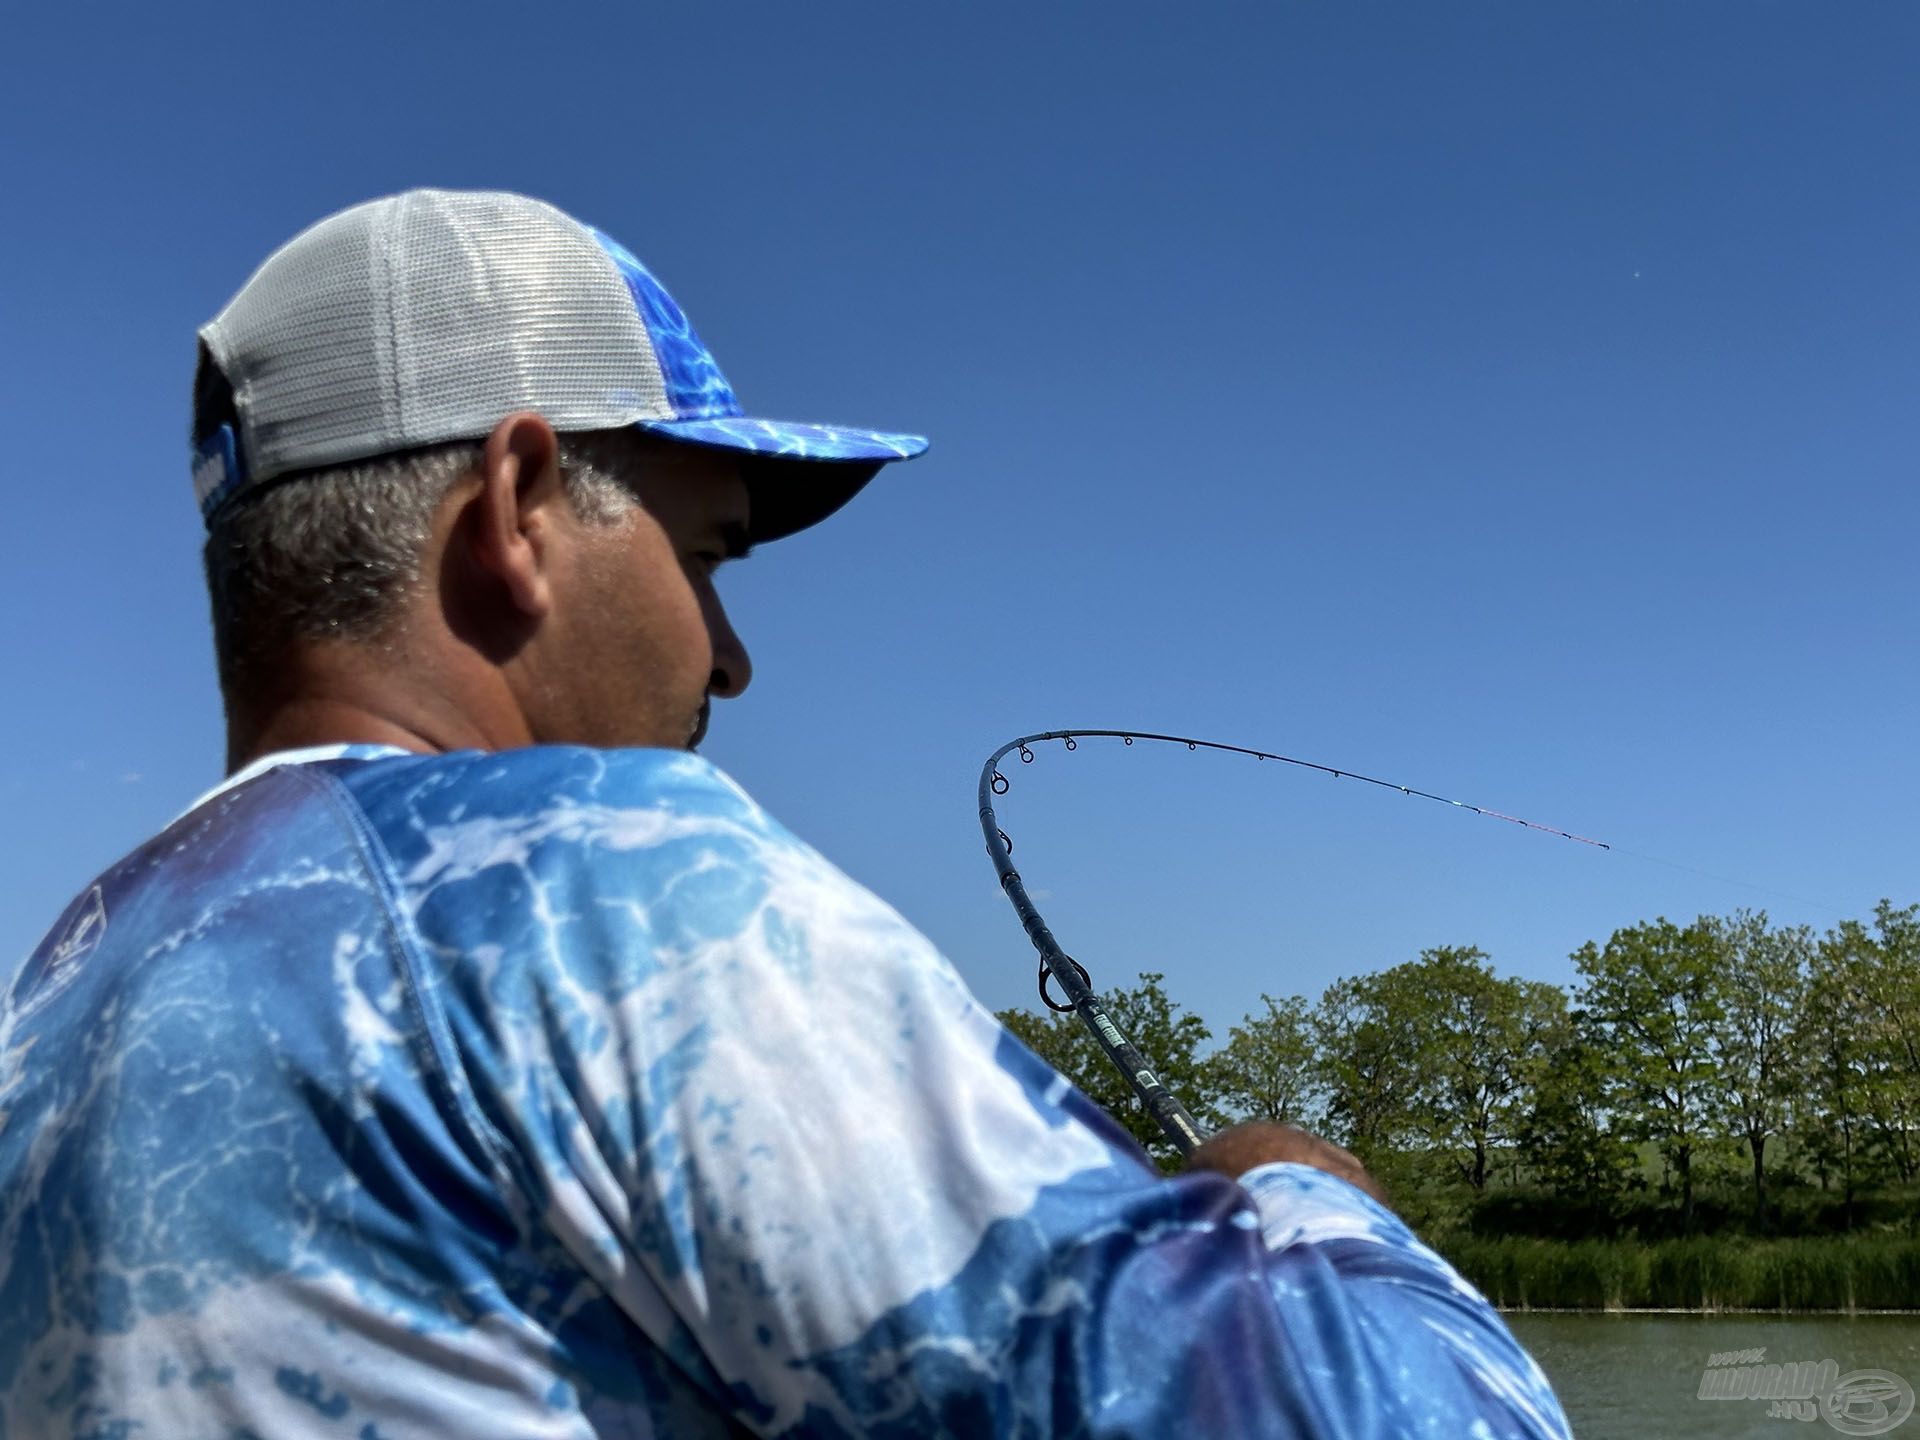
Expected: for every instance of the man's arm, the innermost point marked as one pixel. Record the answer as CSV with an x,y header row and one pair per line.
x,y
767,1119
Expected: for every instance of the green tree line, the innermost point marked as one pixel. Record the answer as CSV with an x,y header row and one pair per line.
x,y
1728,1073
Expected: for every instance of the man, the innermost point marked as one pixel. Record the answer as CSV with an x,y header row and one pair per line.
x,y
477,1061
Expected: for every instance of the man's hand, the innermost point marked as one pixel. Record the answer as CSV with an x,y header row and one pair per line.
x,y
1260,1142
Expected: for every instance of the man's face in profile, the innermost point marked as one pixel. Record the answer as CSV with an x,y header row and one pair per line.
x,y
641,638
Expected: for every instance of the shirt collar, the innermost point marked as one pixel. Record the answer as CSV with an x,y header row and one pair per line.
x,y
306,755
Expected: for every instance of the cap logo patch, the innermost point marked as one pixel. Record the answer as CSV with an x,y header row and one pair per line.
x,y
216,470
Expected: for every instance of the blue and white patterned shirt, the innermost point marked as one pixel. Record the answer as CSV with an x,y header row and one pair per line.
x,y
562,1093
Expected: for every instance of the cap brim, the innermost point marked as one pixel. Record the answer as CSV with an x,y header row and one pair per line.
x,y
797,474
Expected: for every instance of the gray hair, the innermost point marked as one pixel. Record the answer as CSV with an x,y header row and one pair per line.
x,y
332,553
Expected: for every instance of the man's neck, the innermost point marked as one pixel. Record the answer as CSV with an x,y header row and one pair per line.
x,y
305,723
420,698
327,720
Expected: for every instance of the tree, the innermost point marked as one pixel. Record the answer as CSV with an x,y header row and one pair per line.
x,y
1655,993
1165,1034
1833,1046
1363,1030
1432,1056
1567,1133
1863,1033
1475,1037
1764,972
1888,972
1266,1069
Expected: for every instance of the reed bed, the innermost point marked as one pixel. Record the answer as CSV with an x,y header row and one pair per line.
x,y
1721,1273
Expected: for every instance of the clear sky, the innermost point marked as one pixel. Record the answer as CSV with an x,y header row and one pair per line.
x,y
1513,401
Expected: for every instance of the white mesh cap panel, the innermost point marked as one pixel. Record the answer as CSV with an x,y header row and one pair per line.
x,y
304,346
502,303
426,317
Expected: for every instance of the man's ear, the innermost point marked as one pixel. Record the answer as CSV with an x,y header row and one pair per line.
x,y
512,517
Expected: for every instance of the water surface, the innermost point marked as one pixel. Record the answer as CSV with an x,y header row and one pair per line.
x,y
1630,1377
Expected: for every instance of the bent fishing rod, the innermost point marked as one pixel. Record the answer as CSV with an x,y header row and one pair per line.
x,y
1056,964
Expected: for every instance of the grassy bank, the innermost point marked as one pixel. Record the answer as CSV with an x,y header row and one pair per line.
x,y
1855,1273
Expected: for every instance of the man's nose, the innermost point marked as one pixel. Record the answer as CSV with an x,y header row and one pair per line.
x,y
732,669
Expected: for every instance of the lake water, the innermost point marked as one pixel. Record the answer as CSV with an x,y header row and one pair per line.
x,y
1631,1377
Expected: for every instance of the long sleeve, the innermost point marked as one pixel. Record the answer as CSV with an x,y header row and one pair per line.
x,y
752,1109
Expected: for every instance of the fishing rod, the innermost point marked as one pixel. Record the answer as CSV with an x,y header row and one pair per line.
x,y
1165,1107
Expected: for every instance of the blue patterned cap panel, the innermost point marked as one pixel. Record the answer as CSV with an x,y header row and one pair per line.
x,y
793,438
705,408
695,386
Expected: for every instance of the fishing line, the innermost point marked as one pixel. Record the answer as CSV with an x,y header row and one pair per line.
x,y
1773,890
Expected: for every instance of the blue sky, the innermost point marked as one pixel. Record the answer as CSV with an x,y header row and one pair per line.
x,y
1512,401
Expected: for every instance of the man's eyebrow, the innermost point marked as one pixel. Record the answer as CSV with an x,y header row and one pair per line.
x,y
733,540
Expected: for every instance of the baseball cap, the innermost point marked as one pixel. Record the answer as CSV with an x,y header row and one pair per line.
x,y
429,316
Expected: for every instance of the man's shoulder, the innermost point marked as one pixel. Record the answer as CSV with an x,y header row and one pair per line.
x,y
473,783
544,805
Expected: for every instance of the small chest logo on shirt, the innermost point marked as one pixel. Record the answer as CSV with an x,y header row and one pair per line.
x,y
82,934
57,961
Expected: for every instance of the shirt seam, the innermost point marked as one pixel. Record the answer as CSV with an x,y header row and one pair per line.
x,y
433,1023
